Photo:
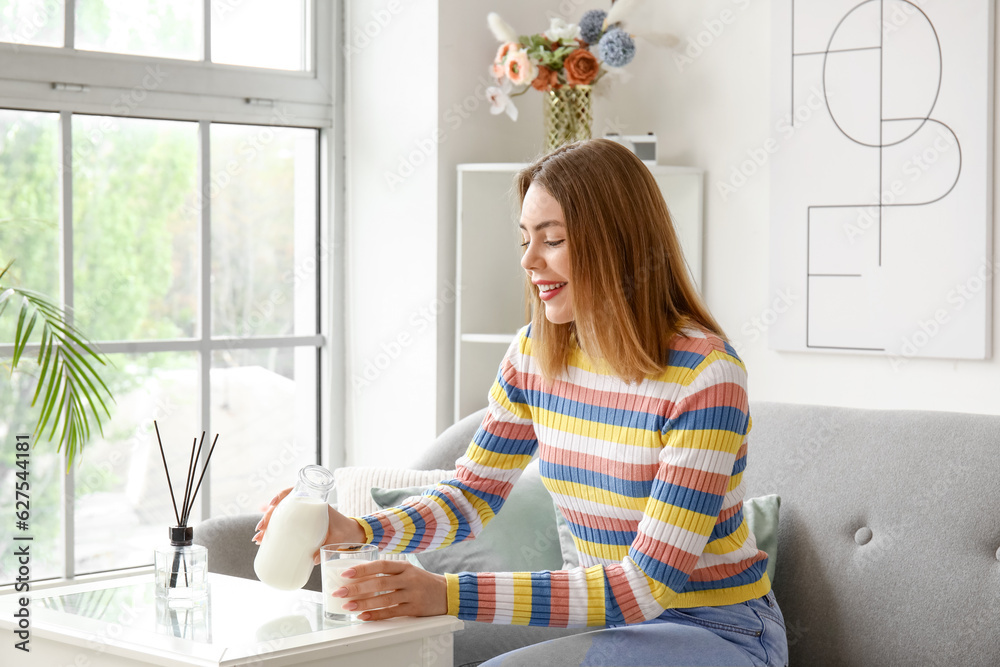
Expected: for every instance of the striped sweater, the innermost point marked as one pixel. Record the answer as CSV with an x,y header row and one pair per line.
x,y
647,475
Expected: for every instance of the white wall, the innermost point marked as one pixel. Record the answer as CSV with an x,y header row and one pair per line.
x,y
391,82
709,114
407,89
415,96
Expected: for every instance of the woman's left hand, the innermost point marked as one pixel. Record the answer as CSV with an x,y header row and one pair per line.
x,y
402,590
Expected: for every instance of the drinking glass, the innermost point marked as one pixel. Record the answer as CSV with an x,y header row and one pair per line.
x,y
334,559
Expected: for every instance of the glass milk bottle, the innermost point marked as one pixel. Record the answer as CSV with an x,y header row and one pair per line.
x,y
295,532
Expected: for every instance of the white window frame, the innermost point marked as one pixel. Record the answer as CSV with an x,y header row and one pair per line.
x,y
43,78
68,81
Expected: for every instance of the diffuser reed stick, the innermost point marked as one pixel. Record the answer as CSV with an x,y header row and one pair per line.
x,y
181,534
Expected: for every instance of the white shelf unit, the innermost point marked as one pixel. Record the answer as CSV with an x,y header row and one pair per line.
x,y
490,305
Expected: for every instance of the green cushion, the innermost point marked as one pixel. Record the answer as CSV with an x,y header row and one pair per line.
x,y
762,517
522,537
570,556
530,534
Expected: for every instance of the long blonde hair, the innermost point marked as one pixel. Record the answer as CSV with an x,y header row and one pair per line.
x,y
631,289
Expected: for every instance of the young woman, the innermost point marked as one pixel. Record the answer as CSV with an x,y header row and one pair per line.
x,y
626,388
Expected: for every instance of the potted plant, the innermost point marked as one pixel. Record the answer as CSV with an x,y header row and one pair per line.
x,y
563,63
69,386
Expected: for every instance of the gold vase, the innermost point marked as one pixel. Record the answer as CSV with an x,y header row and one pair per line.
x,y
568,115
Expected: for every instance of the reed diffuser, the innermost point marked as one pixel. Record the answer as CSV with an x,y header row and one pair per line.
x,y
182,566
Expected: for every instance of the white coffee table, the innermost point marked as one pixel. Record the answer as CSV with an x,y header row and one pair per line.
x,y
119,622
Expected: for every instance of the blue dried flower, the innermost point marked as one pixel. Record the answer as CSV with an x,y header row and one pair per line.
x,y
592,25
616,48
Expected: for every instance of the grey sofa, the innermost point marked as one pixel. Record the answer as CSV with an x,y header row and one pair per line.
x,y
887,547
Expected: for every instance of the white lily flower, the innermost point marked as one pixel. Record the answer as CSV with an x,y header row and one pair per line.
x,y
500,101
559,31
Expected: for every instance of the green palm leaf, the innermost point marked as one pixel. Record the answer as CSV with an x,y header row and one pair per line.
x,y
70,387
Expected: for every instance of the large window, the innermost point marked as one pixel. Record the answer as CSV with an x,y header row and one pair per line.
x,y
160,171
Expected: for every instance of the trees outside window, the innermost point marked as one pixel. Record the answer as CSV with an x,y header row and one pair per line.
x,y
169,200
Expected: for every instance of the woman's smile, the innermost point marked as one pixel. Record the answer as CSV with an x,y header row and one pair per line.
x,y
548,291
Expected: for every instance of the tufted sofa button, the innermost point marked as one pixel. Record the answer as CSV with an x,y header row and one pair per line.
x,y
863,536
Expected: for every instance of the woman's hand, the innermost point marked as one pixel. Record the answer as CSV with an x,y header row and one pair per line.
x,y
341,528
401,590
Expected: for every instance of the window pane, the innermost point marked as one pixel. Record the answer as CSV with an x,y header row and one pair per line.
x,y
29,233
121,474
44,468
264,407
161,28
135,226
29,207
264,210
37,22
261,33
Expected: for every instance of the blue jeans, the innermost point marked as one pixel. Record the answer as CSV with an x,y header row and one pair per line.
x,y
750,634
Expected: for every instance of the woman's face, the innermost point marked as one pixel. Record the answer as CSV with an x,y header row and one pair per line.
x,y
546,253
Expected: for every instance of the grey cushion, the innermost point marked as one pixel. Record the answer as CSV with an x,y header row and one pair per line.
x,y
924,589
230,550
450,445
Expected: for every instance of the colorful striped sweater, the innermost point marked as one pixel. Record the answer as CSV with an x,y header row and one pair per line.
x,y
647,475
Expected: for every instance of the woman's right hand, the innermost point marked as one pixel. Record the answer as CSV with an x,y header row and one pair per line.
x,y
341,528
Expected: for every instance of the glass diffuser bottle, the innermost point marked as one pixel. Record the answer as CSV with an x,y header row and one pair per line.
x,y
181,569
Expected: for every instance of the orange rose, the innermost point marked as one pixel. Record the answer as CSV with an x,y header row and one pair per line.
x,y
546,80
581,67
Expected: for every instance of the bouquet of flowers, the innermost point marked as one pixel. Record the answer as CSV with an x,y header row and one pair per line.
x,y
565,55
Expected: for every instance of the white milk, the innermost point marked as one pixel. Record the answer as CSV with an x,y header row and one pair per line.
x,y
295,532
332,580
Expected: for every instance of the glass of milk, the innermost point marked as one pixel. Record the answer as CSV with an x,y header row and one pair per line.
x,y
334,559
297,528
